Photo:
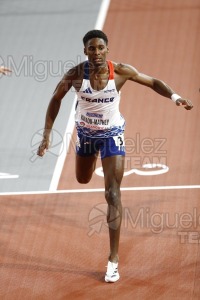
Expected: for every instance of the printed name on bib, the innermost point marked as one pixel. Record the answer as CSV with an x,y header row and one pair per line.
x,y
93,121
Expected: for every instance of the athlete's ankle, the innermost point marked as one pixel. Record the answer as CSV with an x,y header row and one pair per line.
x,y
113,258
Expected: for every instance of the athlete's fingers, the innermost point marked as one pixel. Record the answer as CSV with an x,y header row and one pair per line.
x,y
43,148
7,70
186,103
4,70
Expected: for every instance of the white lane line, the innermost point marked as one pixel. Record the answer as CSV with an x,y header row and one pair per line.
x,y
8,176
63,152
139,188
70,124
102,14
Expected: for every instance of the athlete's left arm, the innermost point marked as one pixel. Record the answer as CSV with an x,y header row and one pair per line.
x,y
157,85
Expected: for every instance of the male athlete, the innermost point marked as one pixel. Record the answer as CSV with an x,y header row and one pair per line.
x,y
100,126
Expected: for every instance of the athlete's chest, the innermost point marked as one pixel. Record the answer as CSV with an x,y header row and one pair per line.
x,y
99,82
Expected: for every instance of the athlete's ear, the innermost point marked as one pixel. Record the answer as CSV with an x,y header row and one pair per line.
x,y
85,52
107,49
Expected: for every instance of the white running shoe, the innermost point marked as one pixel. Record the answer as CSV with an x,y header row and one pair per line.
x,y
112,274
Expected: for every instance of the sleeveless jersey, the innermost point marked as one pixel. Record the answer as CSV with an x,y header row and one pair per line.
x,y
97,112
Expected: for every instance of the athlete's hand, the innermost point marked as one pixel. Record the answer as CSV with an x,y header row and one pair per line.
x,y
44,146
186,103
4,70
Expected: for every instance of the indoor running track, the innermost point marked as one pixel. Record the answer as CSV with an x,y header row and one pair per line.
x,y
55,245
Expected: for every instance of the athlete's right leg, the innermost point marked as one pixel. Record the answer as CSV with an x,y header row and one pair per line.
x,y
85,166
86,156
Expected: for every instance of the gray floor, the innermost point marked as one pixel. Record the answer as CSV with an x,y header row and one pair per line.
x,y
40,40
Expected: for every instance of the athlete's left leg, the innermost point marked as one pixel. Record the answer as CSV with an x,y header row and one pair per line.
x,y
113,168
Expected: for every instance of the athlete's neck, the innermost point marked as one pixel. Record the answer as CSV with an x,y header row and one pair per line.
x,y
96,69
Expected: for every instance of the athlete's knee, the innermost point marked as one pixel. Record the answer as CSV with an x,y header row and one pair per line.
x,y
112,196
82,179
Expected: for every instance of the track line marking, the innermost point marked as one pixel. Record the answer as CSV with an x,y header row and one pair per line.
x,y
8,176
139,188
63,152
102,14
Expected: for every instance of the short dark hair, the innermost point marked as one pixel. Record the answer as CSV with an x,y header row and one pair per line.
x,y
95,34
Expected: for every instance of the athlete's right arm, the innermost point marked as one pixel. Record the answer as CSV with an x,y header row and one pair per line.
x,y
53,108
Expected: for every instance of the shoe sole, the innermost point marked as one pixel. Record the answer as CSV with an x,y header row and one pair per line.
x,y
107,279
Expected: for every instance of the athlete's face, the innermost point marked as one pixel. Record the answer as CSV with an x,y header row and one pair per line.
x,y
96,50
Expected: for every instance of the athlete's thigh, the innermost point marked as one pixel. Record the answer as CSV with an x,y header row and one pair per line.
x,y
85,166
113,168
87,150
